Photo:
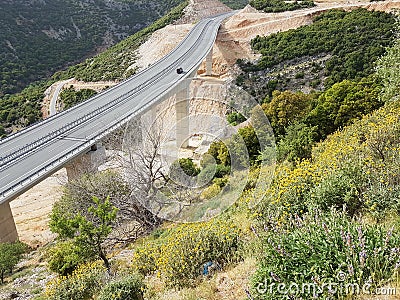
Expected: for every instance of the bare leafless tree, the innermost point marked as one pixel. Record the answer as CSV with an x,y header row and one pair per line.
x,y
152,189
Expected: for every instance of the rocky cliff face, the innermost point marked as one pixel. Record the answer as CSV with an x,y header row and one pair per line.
x,y
198,9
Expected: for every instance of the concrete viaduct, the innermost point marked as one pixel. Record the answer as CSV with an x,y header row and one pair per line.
x,y
72,136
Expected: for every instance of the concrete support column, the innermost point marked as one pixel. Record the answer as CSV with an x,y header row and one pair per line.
x,y
8,231
182,115
86,163
134,137
209,61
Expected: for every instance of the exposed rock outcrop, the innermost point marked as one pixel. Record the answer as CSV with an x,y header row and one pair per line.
x,y
198,9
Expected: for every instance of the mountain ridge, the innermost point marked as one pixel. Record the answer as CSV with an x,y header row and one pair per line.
x,y
40,37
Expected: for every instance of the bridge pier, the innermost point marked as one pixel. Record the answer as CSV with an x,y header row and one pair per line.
x,y
182,115
86,163
133,137
8,231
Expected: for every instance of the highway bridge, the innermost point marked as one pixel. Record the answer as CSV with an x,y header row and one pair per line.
x,y
29,156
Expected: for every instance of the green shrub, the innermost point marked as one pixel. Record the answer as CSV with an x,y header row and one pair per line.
x,y
71,97
212,173
325,249
235,118
211,191
10,254
315,83
184,171
280,5
388,70
246,140
380,198
181,252
297,143
64,257
286,108
2,132
219,152
222,171
343,103
221,182
299,75
82,284
206,175
126,288
338,189
207,159
186,165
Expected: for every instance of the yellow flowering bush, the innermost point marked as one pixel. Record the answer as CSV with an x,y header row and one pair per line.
x,y
211,191
82,284
373,145
180,253
65,256
358,167
289,190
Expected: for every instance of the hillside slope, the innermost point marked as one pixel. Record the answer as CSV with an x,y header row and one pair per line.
x,y
39,37
364,139
233,42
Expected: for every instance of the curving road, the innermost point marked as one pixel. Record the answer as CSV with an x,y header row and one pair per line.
x,y
32,154
53,101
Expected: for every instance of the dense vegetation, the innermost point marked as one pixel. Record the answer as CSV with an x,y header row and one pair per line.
x,y
308,118
338,45
307,256
327,227
335,215
356,170
22,109
235,4
40,37
91,279
349,43
69,97
274,6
